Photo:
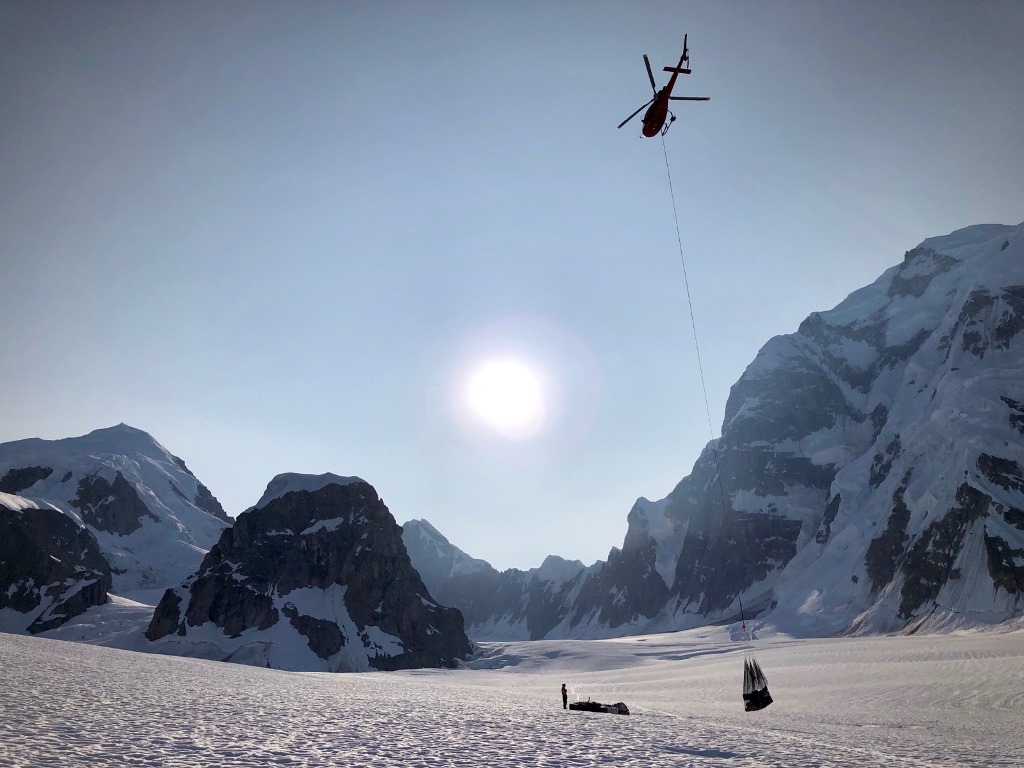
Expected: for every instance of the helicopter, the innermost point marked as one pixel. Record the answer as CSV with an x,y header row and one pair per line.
x,y
658,111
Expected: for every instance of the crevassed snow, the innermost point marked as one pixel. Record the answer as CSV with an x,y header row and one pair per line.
x,y
293,481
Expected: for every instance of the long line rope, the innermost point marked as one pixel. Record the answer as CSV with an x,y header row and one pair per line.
x,y
700,364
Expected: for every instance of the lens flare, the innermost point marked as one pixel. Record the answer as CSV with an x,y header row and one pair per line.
x,y
508,396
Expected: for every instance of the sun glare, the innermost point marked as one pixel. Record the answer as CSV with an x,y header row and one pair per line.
x,y
507,395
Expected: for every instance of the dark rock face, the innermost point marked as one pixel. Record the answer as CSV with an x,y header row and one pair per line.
x,y
203,498
627,589
990,321
1003,472
1016,413
18,480
208,502
114,507
1004,564
511,603
51,569
885,550
825,529
882,462
716,565
929,563
167,617
920,266
325,637
339,543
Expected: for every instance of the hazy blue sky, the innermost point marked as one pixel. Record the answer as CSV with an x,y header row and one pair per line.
x,y
280,236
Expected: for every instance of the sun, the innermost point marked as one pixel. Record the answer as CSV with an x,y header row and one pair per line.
x,y
507,395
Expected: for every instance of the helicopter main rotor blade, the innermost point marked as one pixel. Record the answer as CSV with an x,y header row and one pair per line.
x,y
650,74
634,114
690,98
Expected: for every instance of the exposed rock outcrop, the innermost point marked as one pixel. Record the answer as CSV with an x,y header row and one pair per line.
x,y
315,577
51,569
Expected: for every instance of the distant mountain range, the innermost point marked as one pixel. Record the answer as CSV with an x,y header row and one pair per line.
x,y
868,479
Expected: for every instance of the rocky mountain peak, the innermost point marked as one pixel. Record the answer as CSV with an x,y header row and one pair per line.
x,y
51,569
315,576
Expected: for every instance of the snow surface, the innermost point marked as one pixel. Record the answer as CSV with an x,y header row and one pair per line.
x,y
16,503
897,702
293,481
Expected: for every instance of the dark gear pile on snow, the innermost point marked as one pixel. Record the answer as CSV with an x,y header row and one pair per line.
x,y
595,706
755,687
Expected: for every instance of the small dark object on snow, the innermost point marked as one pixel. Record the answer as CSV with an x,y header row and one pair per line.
x,y
595,706
755,686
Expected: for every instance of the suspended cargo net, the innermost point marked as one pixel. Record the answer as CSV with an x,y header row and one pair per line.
x,y
755,686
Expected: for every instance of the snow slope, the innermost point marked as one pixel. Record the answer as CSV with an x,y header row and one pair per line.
x,y
890,702
290,482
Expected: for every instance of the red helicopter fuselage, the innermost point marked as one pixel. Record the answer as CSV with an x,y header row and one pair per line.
x,y
656,114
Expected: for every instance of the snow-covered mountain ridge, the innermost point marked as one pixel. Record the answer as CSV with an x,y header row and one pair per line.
x,y
870,465
153,519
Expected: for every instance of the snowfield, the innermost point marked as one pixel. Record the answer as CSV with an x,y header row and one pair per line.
x,y
939,700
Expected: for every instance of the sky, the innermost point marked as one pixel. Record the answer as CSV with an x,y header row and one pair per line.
x,y
405,241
